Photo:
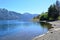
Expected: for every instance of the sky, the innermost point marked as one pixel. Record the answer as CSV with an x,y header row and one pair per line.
x,y
30,6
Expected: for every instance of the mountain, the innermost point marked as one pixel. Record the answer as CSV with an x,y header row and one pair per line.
x,y
28,16
8,15
11,15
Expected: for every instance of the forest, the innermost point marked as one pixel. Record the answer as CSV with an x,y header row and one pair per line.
x,y
52,14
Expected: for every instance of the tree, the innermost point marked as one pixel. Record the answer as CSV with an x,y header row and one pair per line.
x,y
58,6
44,16
53,12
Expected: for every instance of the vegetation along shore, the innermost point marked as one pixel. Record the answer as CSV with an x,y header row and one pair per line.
x,y
52,17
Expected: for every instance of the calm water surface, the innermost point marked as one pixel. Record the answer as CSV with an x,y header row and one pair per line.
x,y
16,30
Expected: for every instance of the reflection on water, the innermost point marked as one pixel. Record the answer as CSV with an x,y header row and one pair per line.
x,y
22,30
46,25
5,28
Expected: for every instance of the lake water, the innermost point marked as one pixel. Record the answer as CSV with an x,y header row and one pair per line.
x,y
17,30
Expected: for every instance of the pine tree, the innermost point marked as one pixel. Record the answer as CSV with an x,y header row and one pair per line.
x,y
58,6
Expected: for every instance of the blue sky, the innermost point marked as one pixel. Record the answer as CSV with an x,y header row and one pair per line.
x,y
31,6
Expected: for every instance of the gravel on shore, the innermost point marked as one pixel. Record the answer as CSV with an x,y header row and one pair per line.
x,y
52,34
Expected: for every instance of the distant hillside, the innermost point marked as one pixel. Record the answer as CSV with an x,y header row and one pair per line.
x,y
8,15
28,16
11,15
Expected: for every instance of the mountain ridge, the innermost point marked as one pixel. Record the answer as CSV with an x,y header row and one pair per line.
x,y
11,15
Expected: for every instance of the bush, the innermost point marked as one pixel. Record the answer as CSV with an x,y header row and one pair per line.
x,y
44,16
51,18
58,17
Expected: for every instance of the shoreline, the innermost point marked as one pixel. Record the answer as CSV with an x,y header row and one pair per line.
x,y
39,36
48,35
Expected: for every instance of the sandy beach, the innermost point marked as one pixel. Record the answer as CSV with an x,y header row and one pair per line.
x,y
52,34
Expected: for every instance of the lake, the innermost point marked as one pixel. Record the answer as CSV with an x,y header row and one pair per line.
x,y
19,30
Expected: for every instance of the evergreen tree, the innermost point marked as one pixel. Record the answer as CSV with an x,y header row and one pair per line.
x,y
53,12
58,6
